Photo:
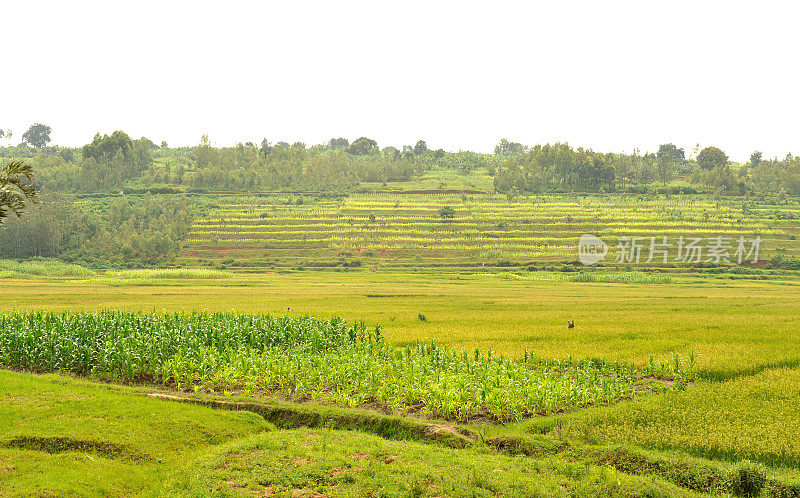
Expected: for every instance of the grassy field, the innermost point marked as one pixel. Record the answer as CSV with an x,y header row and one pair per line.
x,y
736,325
56,431
742,404
119,443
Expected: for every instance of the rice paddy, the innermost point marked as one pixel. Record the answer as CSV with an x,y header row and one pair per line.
x,y
408,232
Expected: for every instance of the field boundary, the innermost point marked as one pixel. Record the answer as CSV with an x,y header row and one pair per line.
x,y
688,472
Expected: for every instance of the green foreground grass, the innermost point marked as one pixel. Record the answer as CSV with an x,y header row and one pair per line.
x,y
70,437
743,405
63,437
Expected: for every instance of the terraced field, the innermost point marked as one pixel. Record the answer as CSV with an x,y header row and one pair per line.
x,y
411,231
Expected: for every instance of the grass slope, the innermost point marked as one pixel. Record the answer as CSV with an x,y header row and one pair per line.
x,y
68,437
304,462
65,437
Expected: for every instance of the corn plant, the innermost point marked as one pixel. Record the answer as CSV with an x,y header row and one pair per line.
x,y
327,361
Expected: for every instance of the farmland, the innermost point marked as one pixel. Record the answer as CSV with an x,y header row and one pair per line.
x,y
323,360
376,250
408,232
368,334
741,331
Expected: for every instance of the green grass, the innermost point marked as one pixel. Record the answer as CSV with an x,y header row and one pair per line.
x,y
339,463
131,444
760,420
440,179
41,268
55,431
742,405
67,437
144,275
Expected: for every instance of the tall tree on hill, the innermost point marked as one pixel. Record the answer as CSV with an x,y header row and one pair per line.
x,y
711,157
665,167
339,143
755,159
38,135
363,146
104,148
675,154
506,148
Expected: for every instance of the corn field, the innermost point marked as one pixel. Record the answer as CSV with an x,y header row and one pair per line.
x,y
327,361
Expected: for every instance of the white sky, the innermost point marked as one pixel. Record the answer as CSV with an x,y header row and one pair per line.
x,y
608,75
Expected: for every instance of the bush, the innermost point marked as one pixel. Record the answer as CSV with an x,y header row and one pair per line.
x,y
447,212
781,262
747,478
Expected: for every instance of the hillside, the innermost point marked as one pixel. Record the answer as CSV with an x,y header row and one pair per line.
x,y
469,232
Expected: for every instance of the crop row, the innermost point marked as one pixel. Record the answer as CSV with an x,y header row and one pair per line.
x,y
322,360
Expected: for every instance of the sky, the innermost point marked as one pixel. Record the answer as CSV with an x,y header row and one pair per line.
x,y
607,75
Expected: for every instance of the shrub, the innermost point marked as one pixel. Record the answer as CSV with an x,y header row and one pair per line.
x,y
747,478
447,212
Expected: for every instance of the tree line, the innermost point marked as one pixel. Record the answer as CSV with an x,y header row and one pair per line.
x,y
560,167
116,162
117,231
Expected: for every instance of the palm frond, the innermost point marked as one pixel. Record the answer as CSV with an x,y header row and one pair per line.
x,y
16,188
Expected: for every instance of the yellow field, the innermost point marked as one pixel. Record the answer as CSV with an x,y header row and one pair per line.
x,y
736,326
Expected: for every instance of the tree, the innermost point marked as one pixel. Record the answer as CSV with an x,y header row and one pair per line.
x,y
755,159
38,135
104,148
506,148
339,143
363,146
142,153
646,169
420,148
265,147
391,152
711,157
16,188
447,212
672,152
665,168
204,153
